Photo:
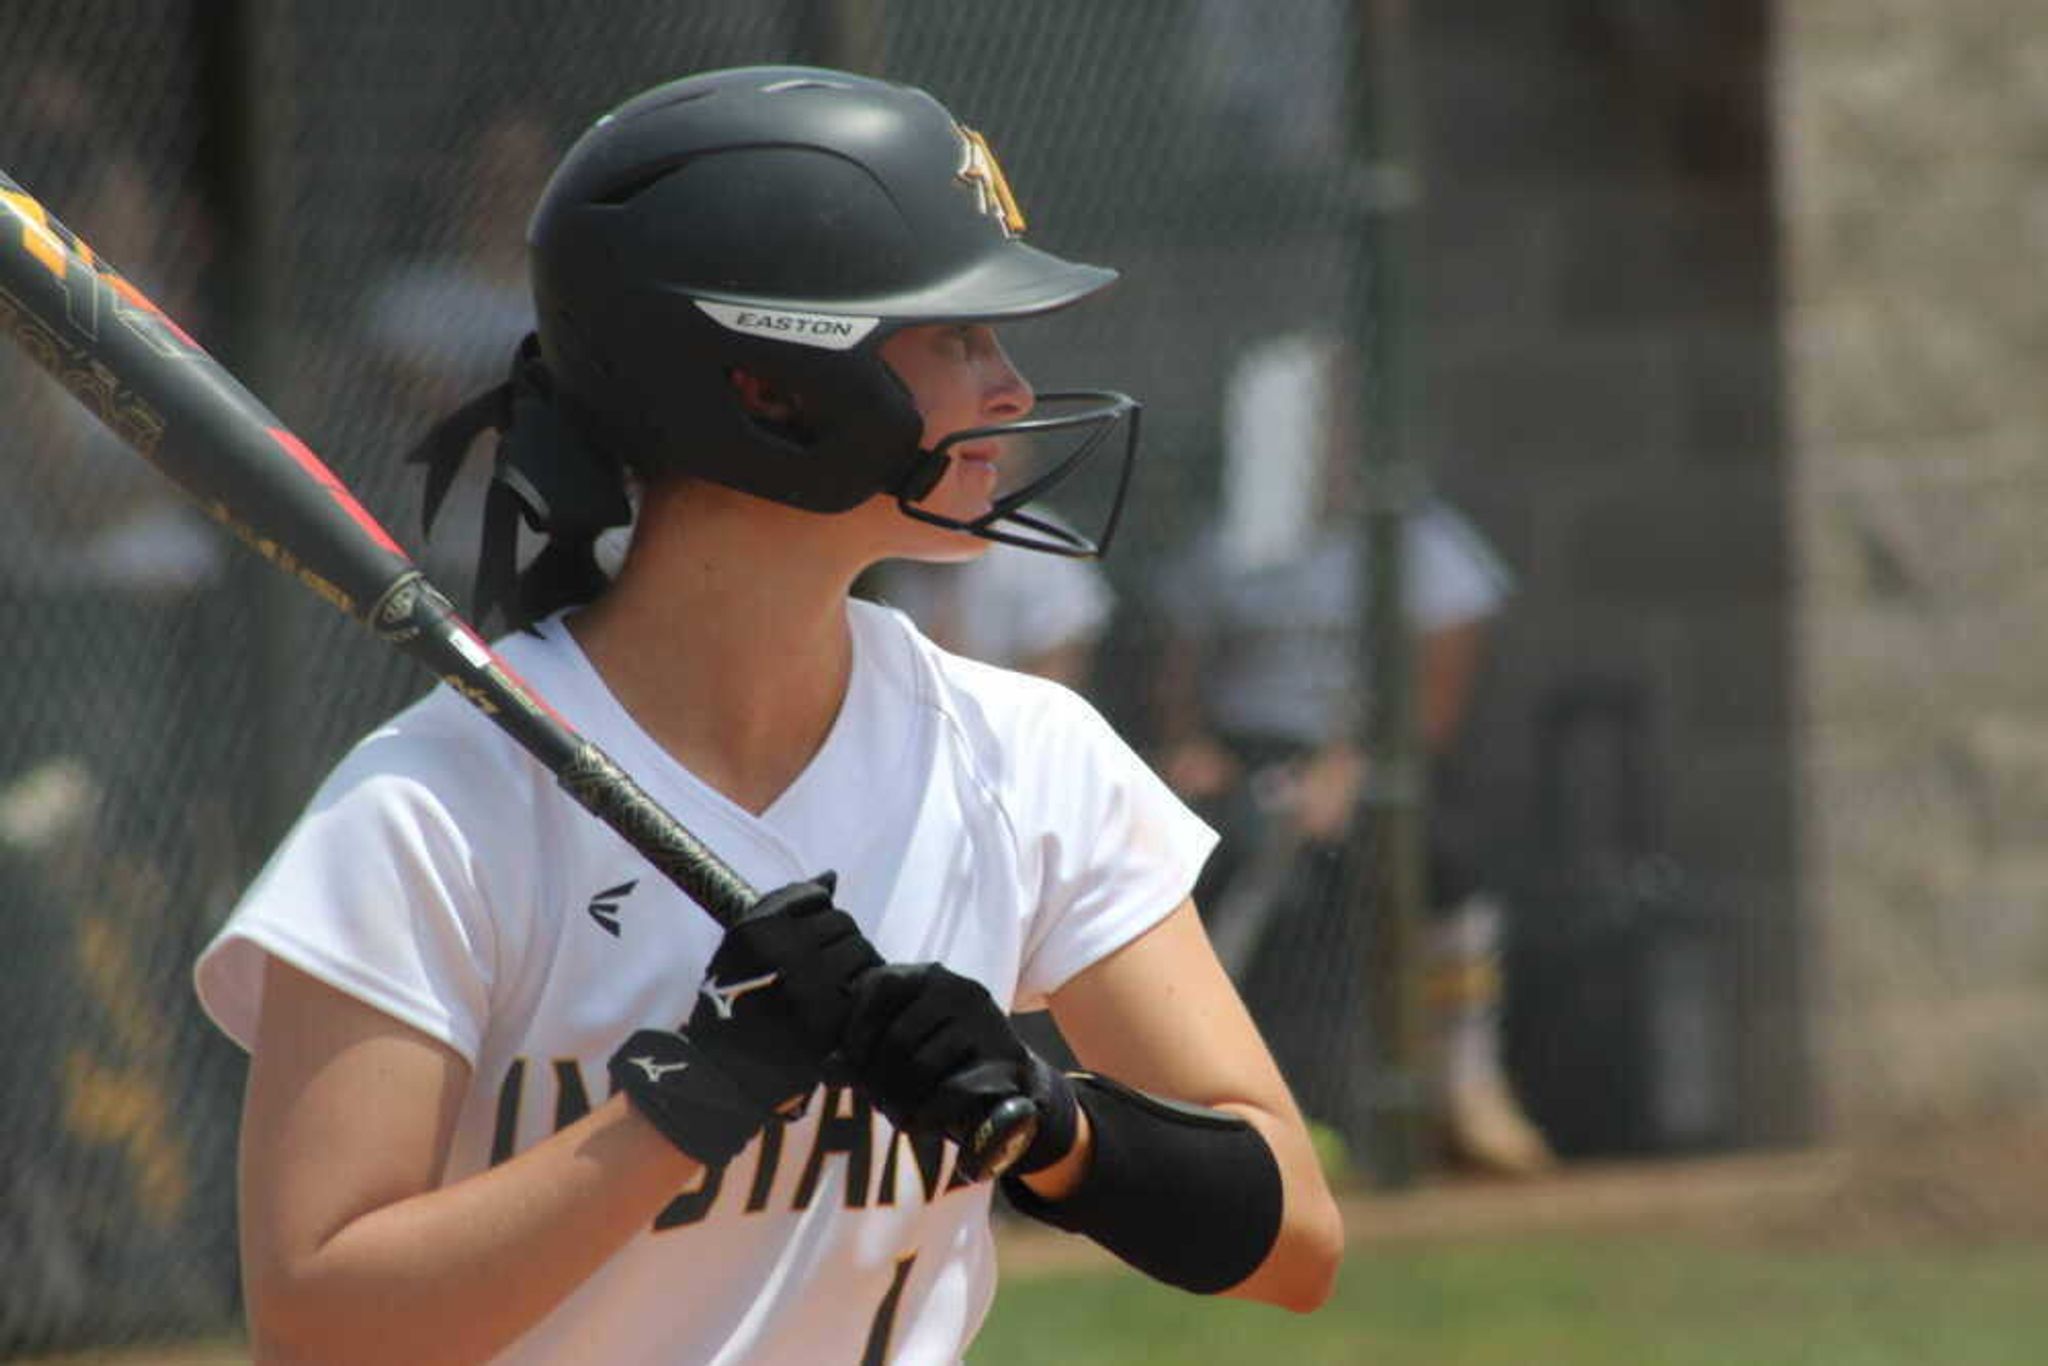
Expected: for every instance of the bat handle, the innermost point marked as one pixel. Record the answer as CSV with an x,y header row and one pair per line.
x,y
1002,1136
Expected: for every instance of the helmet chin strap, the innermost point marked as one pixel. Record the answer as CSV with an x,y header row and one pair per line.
x,y
1006,521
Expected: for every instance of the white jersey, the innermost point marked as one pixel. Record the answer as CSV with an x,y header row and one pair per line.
x,y
982,818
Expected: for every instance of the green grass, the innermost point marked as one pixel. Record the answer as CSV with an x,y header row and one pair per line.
x,y
1534,1302
1572,1302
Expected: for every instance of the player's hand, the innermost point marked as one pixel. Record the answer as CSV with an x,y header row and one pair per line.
x,y
777,993
773,1003
935,1053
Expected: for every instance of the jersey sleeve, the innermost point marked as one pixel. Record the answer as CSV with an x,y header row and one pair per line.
x,y
1115,850
376,891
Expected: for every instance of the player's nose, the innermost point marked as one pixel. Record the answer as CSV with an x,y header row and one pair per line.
x,y
1005,394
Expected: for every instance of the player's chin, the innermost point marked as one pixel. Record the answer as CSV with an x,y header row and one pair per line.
x,y
963,496
940,545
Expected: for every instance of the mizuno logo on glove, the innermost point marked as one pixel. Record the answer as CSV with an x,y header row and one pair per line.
x,y
656,1069
723,998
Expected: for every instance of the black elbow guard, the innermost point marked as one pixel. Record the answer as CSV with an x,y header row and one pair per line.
x,y
1189,1196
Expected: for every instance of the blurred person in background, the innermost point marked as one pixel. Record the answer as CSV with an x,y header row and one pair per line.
x,y
1257,707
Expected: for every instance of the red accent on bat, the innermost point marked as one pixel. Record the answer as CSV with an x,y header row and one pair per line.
x,y
358,514
141,301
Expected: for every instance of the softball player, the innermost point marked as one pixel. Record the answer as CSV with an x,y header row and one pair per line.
x,y
510,1096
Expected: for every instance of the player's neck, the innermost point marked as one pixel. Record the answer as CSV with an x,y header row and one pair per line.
x,y
734,661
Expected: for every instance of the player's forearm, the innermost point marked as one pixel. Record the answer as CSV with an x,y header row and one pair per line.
x,y
1223,1200
457,1274
1301,1269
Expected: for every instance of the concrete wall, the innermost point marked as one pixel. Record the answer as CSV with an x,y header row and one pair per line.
x,y
1734,328
1914,193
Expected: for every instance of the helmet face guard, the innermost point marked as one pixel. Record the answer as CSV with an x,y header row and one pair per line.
x,y
1098,415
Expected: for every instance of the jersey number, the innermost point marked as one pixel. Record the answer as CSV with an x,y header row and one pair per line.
x,y
879,1332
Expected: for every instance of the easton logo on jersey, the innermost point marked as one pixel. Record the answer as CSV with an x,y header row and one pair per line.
x,y
604,907
981,172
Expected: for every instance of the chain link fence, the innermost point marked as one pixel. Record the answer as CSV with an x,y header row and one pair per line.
x,y
120,768
332,199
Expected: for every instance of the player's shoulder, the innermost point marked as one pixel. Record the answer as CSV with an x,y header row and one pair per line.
x,y
441,753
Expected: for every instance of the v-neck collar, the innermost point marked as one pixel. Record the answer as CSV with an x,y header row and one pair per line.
x,y
652,758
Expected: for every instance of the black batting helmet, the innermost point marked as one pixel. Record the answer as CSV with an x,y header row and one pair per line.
x,y
785,221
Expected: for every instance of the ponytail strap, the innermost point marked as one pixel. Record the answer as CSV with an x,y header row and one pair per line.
x,y
543,473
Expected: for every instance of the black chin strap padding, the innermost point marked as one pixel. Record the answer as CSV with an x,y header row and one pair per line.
x,y
924,474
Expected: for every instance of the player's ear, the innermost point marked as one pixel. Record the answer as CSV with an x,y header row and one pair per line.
x,y
761,398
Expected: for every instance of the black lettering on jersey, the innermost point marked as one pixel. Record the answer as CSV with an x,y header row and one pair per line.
x,y
693,1204
928,1151
851,1134
572,1102
764,1167
505,1133
846,1127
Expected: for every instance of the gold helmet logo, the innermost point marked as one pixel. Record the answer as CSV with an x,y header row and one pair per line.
x,y
980,171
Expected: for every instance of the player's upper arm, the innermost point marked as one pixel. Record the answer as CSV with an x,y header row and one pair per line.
x,y
1160,1014
347,1110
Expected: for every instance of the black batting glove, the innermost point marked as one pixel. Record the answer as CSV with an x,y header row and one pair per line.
x,y
774,1000
935,1053
777,993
